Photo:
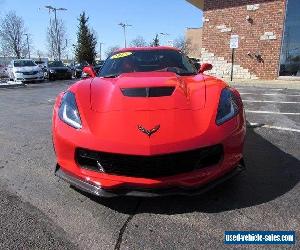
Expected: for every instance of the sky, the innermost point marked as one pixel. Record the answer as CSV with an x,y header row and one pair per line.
x,y
146,17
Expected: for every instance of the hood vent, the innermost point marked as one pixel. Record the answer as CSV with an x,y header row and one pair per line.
x,y
148,92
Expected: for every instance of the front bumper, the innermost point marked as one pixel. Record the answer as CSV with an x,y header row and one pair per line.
x,y
145,192
29,78
65,145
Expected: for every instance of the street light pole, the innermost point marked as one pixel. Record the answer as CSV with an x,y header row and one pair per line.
x,y
124,26
100,55
57,35
28,49
56,28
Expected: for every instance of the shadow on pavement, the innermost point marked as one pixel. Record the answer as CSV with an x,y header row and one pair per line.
x,y
270,173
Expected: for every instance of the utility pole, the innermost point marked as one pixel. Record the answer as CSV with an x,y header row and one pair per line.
x,y
28,49
100,52
56,28
124,26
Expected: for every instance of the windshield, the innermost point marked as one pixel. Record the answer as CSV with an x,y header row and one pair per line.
x,y
56,64
24,63
146,61
39,62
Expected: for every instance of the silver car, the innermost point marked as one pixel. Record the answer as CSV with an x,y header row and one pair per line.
x,y
25,70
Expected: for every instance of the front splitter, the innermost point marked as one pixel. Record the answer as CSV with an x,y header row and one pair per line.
x,y
145,192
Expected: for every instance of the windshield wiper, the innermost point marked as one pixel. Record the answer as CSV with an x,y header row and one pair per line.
x,y
111,76
187,73
178,71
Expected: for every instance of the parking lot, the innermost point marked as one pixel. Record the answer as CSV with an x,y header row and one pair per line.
x,y
39,211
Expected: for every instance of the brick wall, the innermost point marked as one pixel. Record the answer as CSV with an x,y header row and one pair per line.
x,y
259,24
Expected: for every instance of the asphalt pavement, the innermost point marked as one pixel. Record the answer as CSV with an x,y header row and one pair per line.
x,y
39,211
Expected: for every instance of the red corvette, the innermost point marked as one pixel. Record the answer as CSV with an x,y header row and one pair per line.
x,y
149,124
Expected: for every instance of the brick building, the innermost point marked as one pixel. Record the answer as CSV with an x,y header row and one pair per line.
x,y
269,37
193,37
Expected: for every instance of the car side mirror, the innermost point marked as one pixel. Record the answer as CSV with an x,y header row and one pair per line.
x,y
197,66
205,67
88,72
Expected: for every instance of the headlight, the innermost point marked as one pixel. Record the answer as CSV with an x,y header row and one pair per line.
x,y
52,71
228,106
68,111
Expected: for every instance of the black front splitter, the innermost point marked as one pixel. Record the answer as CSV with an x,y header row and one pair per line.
x,y
144,192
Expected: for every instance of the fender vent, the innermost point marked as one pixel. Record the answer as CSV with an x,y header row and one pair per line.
x,y
148,92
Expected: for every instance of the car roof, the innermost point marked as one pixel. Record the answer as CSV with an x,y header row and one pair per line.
x,y
147,48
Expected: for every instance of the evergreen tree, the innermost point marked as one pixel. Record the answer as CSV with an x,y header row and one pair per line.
x,y
86,41
155,42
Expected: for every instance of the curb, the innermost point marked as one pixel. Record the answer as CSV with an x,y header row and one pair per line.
x,y
266,84
12,85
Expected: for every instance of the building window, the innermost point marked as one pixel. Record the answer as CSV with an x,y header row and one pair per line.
x,y
290,53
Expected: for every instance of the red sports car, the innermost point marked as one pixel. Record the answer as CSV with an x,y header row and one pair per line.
x,y
149,124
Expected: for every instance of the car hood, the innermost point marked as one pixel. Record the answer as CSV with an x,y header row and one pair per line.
x,y
147,91
119,123
27,69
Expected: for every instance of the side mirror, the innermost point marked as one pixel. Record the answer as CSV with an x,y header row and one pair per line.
x,y
205,67
197,65
88,71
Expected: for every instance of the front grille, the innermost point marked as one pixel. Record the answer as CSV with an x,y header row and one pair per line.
x,y
149,166
148,92
30,73
27,79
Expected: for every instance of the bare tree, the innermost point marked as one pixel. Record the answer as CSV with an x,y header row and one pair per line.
x,y
12,37
183,44
56,38
39,53
138,42
155,42
111,50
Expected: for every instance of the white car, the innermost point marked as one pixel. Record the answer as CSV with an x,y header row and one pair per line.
x,y
3,72
25,70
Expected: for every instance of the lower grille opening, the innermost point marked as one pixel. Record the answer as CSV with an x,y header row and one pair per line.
x,y
149,166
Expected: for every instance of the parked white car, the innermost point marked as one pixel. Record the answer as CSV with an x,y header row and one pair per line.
x,y
3,72
25,70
